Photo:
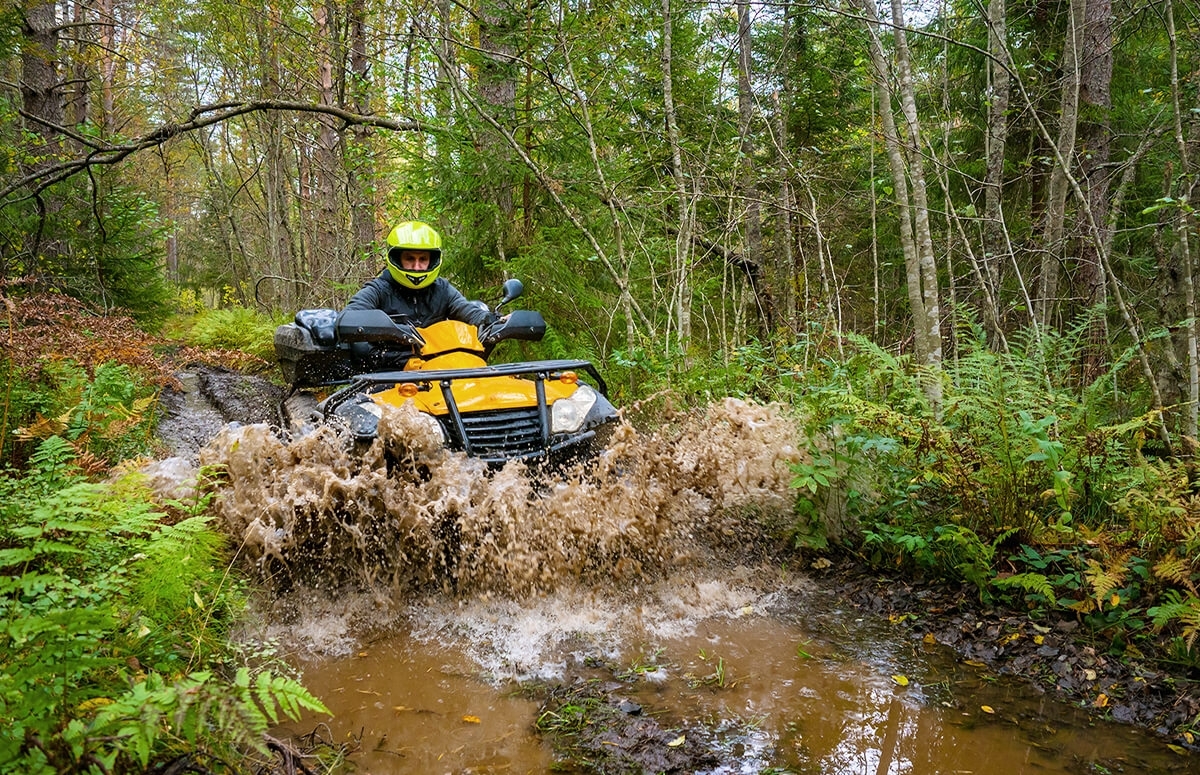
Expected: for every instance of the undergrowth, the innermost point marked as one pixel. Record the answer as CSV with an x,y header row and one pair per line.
x,y
113,624
1035,492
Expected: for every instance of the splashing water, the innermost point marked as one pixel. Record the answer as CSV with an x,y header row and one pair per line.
x,y
405,515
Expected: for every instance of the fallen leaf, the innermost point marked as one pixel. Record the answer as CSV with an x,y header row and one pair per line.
x,y
1089,675
471,719
677,741
900,680
1039,639
821,563
987,709
1101,701
929,638
1179,749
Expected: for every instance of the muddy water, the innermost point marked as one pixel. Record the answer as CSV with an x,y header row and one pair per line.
x,y
758,668
439,610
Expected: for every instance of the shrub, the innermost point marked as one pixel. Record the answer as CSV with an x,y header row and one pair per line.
x,y
112,618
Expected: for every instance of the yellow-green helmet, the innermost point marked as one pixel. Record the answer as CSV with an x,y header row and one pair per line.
x,y
414,235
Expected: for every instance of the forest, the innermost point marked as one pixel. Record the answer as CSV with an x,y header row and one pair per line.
x,y
955,238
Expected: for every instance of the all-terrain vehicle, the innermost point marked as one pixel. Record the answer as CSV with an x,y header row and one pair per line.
x,y
539,411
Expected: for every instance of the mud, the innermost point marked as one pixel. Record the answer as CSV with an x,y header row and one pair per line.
x,y
404,515
344,538
1052,655
207,399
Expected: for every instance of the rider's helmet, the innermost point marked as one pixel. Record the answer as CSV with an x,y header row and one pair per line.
x,y
414,235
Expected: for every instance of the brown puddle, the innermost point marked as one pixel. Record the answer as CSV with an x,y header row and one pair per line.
x,y
646,580
768,673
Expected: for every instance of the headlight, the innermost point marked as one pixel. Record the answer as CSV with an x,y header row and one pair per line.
x,y
568,414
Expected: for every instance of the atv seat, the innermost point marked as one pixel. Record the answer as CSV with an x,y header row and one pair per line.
x,y
321,325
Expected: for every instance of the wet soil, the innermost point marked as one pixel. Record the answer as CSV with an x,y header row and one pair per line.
x,y
1053,655
206,400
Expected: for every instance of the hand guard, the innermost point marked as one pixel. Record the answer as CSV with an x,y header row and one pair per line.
x,y
409,335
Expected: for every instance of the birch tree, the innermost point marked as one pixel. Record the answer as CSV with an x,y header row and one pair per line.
x,y
904,154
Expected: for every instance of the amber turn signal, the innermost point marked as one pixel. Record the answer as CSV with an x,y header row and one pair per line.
x,y
407,389
568,378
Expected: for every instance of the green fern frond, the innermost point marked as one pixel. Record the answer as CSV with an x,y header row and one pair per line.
x,y
1030,582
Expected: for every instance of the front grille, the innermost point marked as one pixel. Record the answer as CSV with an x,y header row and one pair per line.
x,y
507,432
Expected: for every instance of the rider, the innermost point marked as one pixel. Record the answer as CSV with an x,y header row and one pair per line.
x,y
410,288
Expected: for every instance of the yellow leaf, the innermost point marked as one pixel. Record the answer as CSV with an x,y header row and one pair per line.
x,y
1179,749
1191,739
929,638
1101,701
975,663
987,709
1010,638
92,704
1115,599
198,599
677,741
900,680
1089,675
1039,639
821,563
471,719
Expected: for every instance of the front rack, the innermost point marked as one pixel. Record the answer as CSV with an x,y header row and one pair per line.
x,y
539,370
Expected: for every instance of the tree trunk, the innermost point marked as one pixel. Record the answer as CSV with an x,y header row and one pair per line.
x,y
1095,97
1053,240
752,210
41,95
682,290
497,89
324,250
915,236
995,240
1185,220
362,204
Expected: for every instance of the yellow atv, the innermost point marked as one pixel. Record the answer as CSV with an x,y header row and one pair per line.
x,y
534,411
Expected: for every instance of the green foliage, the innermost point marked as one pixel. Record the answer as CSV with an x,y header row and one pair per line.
x,y
106,414
231,328
102,242
106,609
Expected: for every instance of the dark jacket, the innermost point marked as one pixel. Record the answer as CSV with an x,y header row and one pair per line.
x,y
424,307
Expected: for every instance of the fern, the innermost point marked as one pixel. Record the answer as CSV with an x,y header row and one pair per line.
x,y
98,612
1029,582
1175,569
1176,608
1104,580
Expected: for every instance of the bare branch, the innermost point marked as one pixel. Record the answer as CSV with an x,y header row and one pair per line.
x,y
103,153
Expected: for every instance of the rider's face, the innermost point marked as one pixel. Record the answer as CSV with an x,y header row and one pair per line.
x,y
414,260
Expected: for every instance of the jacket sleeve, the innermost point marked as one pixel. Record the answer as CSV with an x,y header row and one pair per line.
x,y
458,308
370,296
